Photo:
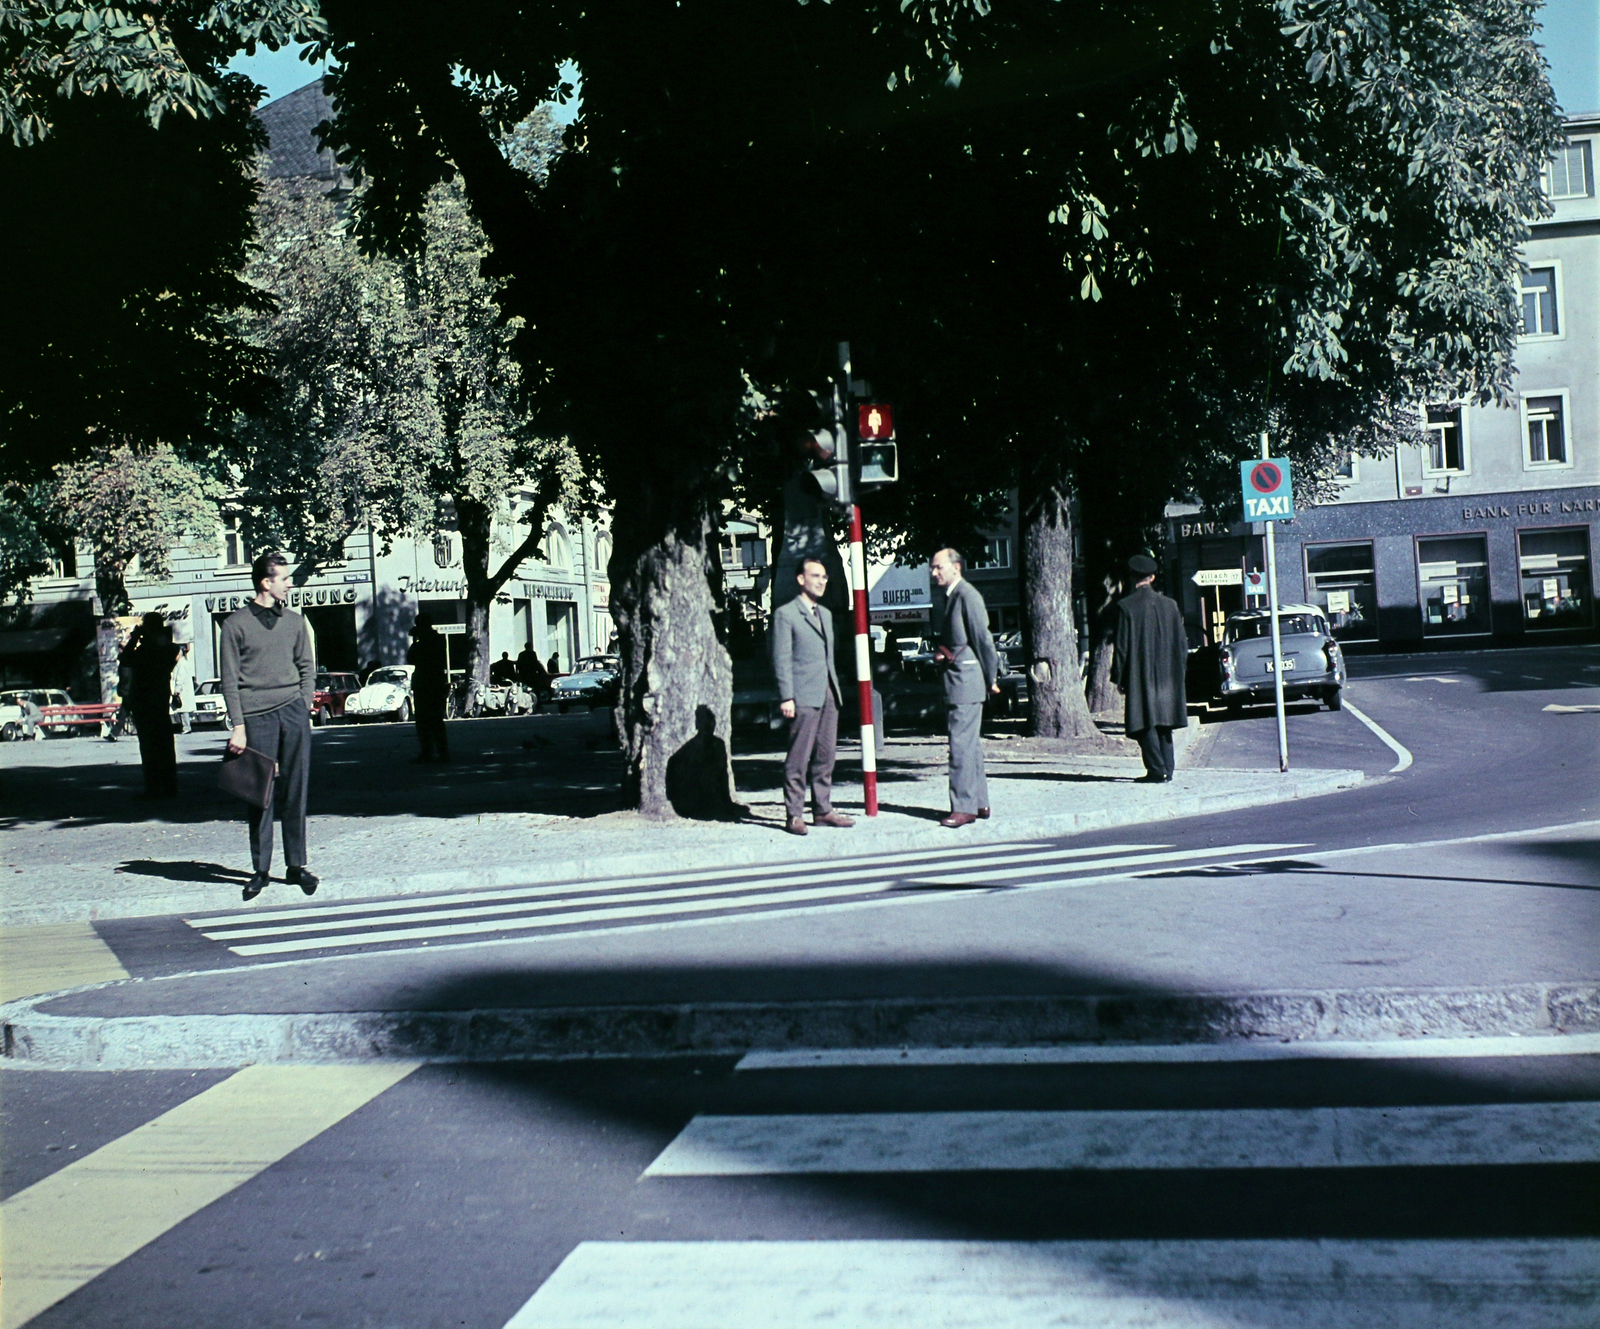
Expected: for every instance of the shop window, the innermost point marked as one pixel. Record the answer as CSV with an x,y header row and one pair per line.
x,y
1557,588
1453,573
1541,315
993,554
1544,427
1571,171
1342,585
1447,441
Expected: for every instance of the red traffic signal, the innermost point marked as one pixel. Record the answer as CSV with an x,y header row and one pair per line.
x,y
875,421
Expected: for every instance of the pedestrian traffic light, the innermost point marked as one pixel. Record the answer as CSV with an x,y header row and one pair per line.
x,y
830,466
876,461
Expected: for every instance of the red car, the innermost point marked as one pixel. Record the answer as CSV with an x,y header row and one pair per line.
x,y
327,704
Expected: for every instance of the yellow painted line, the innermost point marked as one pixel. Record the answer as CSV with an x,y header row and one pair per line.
x,y
52,957
71,1227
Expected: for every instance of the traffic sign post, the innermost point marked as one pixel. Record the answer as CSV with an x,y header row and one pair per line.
x,y
879,420
1269,497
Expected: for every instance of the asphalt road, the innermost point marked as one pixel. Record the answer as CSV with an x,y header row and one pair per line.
x,y
1382,1188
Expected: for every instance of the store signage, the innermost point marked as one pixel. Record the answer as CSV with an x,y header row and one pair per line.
x,y
1530,509
541,590
899,595
302,598
1268,492
1218,577
1338,602
900,615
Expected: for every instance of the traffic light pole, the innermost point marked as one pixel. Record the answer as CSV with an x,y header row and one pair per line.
x,y
1277,636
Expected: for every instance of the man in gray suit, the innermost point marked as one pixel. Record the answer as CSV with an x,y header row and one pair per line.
x,y
966,651
808,685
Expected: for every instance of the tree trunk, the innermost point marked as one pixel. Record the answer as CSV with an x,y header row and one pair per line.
x,y
1055,686
1103,694
475,523
675,706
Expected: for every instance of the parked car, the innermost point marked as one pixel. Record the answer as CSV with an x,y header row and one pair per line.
x,y
386,696
594,681
332,691
12,726
1240,669
209,708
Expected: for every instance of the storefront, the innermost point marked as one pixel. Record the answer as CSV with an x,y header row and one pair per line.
x,y
1421,573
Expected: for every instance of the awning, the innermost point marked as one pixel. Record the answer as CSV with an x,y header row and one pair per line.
x,y
40,641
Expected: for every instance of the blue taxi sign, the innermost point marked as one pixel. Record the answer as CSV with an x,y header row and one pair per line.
x,y
1268,491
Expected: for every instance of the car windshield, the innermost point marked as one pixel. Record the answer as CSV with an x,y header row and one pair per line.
x,y
394,674
591,663
1289,625
210,687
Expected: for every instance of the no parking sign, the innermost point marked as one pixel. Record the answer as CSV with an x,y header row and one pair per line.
x,y
1268,491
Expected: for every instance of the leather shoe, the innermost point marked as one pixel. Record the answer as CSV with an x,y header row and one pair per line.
x,y
796,826
1153,779
958,819
257,883
983,814
305,879
831,818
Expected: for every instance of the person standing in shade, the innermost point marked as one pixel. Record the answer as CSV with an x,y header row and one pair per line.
x,y
808,686
1152,653
268,678
150,657
971,666
430,690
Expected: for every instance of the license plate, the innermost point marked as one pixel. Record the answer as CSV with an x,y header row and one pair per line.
x,y
1287,666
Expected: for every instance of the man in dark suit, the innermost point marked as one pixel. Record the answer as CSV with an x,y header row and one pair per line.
x,y
808,688
971,666
1152,651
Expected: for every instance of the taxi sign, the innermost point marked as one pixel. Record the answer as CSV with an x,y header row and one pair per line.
x,y
875,421
1268,493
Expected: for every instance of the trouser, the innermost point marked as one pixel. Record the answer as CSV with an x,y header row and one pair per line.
x,y
813,743
969,787
284,735
431,733
1155,746
157,752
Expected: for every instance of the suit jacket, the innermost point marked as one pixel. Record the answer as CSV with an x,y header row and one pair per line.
x,y
802,654
1151,656
966,632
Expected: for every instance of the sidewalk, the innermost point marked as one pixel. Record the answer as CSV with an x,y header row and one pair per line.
x,y
525,801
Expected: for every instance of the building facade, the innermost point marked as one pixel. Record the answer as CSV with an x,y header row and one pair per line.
x,y
1485,534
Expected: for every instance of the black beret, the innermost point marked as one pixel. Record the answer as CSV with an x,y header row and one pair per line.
x,y
1142,564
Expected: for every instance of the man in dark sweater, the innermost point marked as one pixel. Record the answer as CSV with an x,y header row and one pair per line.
x,y
268,676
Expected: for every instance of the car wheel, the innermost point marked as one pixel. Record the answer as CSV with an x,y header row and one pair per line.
x,y
320,719
561,706
11,732
1334,698
404,713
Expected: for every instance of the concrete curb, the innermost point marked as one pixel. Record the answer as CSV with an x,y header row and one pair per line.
x,y
79,1043
760,850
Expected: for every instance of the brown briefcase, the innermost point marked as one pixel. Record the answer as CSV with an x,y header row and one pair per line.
x,y
248,775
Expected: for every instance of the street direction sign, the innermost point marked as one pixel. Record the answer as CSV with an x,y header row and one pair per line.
x,y
1218,577
1268,493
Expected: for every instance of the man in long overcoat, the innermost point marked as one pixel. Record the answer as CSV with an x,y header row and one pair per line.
x,y
971,666
1152,651
809,698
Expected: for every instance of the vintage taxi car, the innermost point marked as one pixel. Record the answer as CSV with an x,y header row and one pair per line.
x,y
1239,671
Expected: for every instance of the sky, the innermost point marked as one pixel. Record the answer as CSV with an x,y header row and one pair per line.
x,y
1571,43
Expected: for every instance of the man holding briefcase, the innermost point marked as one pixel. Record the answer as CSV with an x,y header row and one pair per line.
x,y
268,677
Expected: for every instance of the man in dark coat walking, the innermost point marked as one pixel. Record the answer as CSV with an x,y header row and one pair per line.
x,y
430,690
1148,668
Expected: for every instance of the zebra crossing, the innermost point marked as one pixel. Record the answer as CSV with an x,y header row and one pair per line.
x,y
967,1281
669,899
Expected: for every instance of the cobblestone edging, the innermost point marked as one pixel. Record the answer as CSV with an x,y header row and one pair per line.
x,y
34,1039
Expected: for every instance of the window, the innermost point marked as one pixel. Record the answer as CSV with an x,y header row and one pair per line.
x,y
234,554
1349,467
752,551
1556,587
1544,426
1540,315
994,554
65,561
1447,443
558,549
1571,172
1341,584
1453,574
602,553
730,552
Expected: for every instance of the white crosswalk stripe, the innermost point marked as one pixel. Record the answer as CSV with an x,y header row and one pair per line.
x,y
673,898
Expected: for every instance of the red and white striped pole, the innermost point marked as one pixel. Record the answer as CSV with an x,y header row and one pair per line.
x,y
858,583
